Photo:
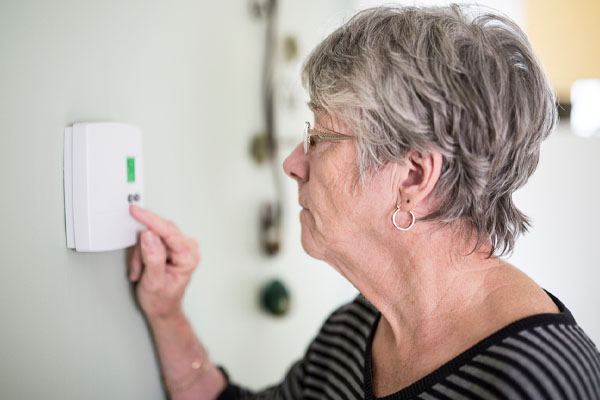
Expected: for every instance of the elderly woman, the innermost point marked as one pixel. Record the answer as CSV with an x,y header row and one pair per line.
x,y
425,123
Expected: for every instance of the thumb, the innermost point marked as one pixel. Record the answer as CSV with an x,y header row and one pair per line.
x,y
154,256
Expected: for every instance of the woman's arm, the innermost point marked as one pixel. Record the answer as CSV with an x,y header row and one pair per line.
x,y
161,264
187,370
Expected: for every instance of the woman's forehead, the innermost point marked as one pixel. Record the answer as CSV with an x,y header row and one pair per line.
x,y
324,119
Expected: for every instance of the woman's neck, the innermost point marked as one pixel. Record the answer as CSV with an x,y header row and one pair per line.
x,y
420,287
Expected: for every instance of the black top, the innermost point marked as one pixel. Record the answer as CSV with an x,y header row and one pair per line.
x,y
545,356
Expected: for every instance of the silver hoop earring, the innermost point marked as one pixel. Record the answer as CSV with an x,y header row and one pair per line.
x,y
412,220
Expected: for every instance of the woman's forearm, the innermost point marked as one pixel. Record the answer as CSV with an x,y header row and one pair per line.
x,y
186,367
162,263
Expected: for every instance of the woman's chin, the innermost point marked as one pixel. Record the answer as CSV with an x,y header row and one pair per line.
x,y
306,237
307,241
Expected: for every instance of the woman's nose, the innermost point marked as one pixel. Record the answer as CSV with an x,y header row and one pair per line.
x,y
296,165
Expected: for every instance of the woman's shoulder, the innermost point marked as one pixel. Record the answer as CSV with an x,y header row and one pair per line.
x,y
536,343
538,356
509,295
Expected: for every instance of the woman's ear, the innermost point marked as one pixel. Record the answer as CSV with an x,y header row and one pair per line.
x,y
420,174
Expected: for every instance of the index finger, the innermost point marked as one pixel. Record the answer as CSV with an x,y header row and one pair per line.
x,y
167,230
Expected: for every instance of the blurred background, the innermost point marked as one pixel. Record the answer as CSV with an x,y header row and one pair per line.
x,y
191,75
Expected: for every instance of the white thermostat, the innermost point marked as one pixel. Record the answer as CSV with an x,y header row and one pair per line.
x,y
103,176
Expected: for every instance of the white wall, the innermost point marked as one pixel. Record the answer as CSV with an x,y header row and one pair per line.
x,y
187,73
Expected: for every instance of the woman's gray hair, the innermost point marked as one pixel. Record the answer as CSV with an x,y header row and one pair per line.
x,y
469,86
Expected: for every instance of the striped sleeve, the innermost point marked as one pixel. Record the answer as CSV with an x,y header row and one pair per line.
x,y
288,389
333,365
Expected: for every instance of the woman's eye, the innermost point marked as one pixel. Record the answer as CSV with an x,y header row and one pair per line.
x,y
313,142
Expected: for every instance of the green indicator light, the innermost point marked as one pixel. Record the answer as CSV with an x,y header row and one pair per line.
x,y
130,169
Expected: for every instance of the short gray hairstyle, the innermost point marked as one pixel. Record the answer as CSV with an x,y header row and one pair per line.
x,y
462,82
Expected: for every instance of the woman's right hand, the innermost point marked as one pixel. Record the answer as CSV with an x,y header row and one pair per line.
x,y
161,263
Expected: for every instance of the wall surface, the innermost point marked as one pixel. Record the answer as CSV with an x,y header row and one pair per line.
x,y
187,73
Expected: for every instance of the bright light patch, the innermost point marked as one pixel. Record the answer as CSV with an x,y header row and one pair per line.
x,y
585,107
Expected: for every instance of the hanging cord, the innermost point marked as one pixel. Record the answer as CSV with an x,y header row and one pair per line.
x,y
272,221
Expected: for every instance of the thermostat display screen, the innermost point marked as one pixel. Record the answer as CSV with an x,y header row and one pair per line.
x,y
130,169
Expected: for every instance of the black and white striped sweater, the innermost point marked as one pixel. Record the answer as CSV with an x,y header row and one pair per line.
x,y
545,356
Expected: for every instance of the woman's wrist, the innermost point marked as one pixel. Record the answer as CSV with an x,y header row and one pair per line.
x,y
211,379
174,317
185,363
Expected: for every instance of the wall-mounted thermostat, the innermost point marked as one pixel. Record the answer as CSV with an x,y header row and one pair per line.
x,y
103,176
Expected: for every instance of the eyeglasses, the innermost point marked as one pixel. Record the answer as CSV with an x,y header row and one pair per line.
x,y
313,136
